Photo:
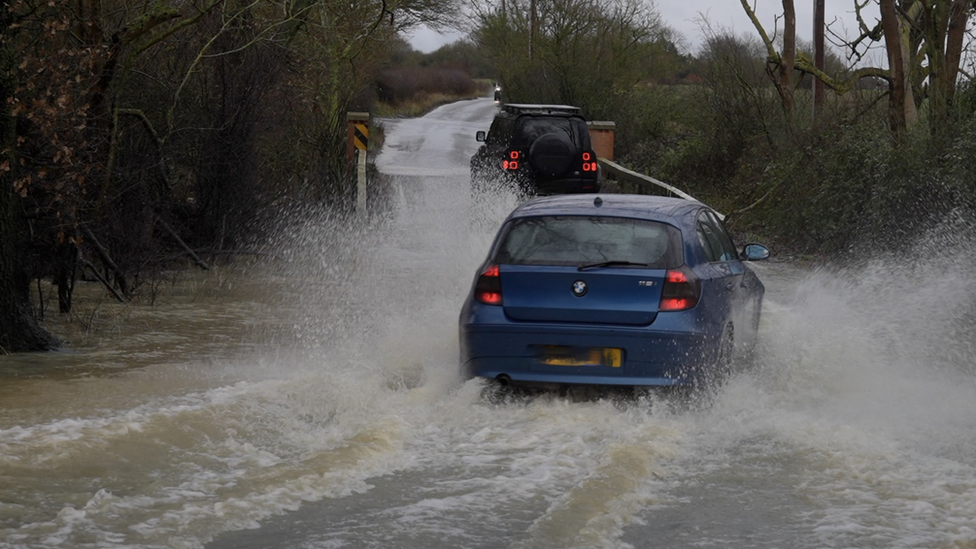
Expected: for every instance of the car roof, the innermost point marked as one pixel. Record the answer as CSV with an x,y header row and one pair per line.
x,y
657,208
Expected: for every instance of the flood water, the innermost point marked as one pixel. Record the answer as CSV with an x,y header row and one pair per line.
x,y
310,399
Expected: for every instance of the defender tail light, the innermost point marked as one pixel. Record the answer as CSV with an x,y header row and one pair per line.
x,y
681,291
511,162
589,162
488,289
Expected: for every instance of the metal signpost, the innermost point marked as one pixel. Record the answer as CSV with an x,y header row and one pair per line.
x,y
358,140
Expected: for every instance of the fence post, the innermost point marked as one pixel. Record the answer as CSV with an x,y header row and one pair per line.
x,y
361,182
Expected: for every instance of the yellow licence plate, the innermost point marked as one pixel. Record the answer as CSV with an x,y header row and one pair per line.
x,y
574,356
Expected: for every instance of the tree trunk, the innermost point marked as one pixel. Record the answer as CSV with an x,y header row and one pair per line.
x,y
19,330
945,27
789,57
67,266
956,34
784,62
818,56
901,103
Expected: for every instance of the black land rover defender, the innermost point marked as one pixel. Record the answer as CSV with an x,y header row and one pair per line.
x,y
541,149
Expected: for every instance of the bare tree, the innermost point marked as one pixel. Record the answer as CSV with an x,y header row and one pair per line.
x,y
897,36
924,41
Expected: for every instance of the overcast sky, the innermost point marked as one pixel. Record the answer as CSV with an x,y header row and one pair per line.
x,y
685,16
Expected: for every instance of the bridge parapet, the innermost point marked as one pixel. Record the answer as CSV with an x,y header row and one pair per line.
x,y
601,137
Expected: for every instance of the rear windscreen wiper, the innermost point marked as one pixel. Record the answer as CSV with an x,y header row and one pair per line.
x,y
618,263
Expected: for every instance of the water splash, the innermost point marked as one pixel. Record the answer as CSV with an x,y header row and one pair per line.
x,y
341,421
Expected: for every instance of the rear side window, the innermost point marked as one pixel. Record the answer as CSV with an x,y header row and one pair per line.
x,y
580,240
499,132
714,238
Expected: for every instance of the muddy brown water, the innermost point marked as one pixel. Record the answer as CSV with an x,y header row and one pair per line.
x,y
311,400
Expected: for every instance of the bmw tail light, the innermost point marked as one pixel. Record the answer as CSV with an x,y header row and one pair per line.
x,y
681,291
488,289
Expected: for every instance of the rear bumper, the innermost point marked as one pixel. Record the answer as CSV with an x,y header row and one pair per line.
x,y
669,352
538,184
565,186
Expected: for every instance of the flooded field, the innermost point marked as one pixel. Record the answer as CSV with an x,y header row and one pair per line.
x,y
311,400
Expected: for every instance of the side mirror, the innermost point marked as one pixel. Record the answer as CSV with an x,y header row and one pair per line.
x,y
480,136
754,252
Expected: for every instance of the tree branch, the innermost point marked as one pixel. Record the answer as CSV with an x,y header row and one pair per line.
x,y
839,85
152,41
199,56
770,48
145,23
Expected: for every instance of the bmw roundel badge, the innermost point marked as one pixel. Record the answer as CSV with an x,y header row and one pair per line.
x,y
579,288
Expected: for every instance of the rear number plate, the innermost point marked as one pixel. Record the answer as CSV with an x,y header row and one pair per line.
x,y
556,355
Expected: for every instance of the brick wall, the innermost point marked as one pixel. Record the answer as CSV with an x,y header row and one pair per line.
x,y
601,137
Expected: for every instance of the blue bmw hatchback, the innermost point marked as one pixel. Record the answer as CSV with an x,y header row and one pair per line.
x,y
626,290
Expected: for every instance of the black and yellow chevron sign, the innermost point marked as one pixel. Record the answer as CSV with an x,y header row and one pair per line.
x,y
360,136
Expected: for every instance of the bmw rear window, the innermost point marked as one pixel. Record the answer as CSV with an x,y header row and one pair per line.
x,y
583,240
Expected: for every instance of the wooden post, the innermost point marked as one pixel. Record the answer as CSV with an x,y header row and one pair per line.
x,y
361,182
818,56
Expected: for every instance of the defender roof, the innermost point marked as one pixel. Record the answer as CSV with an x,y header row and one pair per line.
x,y
525,108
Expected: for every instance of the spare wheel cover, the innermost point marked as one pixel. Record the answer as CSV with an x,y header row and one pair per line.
x,y
551,154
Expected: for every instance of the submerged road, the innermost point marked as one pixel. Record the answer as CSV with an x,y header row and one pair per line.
x,y
314,403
